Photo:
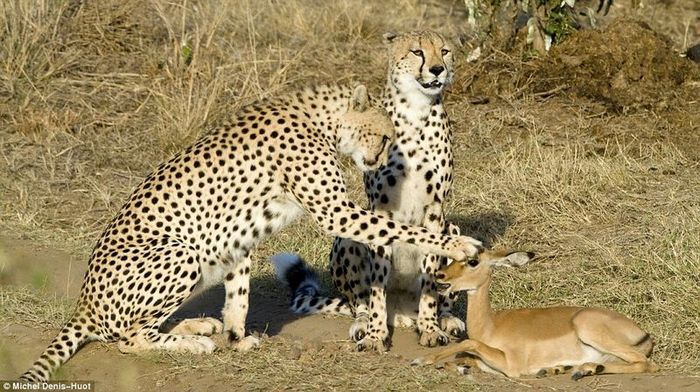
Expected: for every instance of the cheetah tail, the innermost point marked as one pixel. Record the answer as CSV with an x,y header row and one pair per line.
x,y
303,282
72,336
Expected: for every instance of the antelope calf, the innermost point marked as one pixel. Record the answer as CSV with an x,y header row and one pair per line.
x,y
542,341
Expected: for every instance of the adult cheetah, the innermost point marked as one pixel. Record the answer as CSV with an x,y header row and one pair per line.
x,y
194,221
412,188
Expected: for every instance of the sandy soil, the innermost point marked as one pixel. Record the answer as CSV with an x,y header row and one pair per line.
x,y
21,343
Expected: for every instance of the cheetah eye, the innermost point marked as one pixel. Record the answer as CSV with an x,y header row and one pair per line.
x,y
473,263
445,52
417,52
385,139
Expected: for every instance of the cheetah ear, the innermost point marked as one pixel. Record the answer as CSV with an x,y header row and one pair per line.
x,y
360,100
389,37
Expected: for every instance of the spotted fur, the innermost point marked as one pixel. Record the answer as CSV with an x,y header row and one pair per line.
x,y
195,220
412,188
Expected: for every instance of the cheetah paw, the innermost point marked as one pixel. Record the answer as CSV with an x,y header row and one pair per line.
x,y
464,247
403,321
358,329
247,343
195,345
205,326
371,344
433,338
452,325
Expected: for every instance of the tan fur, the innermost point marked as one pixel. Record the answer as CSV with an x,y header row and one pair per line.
x,y
196,219
540,341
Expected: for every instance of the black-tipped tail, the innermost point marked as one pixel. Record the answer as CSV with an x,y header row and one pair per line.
x,y
293,271
303,282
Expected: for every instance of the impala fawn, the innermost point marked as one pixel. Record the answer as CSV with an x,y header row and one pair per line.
x,y
540,341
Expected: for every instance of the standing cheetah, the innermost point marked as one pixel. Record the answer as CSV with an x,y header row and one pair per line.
x,y
194,221
412,188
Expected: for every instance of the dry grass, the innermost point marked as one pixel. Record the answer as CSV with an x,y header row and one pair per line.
x,y
94,94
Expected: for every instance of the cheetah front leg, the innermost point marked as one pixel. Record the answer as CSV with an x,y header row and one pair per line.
x,y
235,311
430,333
378,329
449,322
350,269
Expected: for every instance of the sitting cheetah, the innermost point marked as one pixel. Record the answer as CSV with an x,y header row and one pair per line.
x,y
412,188
194,221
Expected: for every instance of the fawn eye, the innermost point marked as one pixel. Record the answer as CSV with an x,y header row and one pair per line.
x,y
417,52
473,263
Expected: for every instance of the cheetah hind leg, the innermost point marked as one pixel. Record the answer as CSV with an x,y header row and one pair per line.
x,y
144,334
186,337
151,339
204,326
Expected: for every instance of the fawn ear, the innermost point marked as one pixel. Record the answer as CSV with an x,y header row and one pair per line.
x,y
360,99
513,259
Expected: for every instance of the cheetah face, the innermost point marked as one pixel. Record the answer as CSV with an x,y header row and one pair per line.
x,y
365,133
420,61
371,140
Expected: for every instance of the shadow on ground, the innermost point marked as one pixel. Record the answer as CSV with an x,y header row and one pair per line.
x,y
269,311
486,226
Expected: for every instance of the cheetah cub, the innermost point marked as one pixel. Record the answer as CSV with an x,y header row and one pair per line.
x,y
194,221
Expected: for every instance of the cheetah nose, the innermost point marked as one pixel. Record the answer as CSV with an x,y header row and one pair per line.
x,y
436,69
370,162
440,275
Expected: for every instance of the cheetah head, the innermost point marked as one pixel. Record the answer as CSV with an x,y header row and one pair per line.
x,y
420,61
365,132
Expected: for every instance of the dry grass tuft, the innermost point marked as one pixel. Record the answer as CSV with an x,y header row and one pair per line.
x,y
93,94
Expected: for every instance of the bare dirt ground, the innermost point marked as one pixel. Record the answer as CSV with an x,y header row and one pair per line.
x,y
588,156
307,341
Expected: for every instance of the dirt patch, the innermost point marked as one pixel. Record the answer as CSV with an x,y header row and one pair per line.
x,y
23,263
626,66
308,353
